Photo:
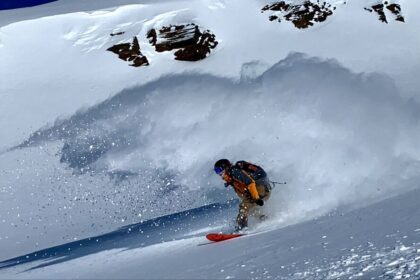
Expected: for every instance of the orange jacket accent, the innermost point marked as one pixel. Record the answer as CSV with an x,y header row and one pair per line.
x,y
240,186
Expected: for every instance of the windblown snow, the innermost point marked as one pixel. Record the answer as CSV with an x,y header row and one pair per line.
x,y
90,144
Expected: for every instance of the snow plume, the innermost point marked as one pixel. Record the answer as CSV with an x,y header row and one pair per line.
x,y
335,136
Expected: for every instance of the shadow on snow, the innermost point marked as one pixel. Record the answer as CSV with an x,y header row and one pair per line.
x,y
186,224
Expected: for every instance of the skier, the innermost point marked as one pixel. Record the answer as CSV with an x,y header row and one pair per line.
x,y
250,183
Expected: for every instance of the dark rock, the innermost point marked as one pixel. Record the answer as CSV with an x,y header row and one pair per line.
x,y
130,52
379,9
309,12
174,37
301,15
191,43
117,33
152,36
395,9
140,61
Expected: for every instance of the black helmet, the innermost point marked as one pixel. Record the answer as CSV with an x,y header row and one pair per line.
x,y
221,165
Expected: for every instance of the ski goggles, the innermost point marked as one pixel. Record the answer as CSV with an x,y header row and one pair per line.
x,y
218,170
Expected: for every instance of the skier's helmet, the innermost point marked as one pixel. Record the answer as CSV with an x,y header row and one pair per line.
x,y
221,165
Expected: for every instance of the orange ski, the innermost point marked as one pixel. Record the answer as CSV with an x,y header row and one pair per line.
x,y
217,237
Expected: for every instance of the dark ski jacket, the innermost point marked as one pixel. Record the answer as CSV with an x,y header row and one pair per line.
x,y
242,177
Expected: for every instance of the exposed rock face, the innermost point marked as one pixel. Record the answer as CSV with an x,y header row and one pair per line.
x,y
395,9
192,43
301,15
117,33
130,52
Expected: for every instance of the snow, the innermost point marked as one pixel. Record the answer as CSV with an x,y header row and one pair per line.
x,y
346,155
293,252
65,7
87,73
89,144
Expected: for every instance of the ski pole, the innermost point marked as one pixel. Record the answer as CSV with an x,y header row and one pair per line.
x,y
278,183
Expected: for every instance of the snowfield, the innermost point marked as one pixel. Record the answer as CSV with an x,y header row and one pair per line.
x,y
69,67
381,241
108,167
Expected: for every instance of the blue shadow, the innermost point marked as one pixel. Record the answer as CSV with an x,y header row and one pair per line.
x,y
163,229
15,4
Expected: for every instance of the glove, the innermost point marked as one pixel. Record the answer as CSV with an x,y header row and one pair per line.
x,y
227,185
259,202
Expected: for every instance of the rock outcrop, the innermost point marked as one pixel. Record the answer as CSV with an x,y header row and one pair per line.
x,y
301,15
130,52
191,43
117,33
379,9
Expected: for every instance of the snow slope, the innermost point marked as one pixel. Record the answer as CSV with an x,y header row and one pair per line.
x,y
103,167
89,144
62,7
380,241
70,59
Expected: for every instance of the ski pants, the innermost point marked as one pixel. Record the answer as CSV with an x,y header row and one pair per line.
x,y
249,207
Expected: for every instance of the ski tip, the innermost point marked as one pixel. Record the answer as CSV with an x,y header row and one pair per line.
x,y
217,237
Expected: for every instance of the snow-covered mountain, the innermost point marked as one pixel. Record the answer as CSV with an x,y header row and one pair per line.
x,y
113,113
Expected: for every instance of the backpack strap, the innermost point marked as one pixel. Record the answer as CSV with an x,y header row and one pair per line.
x,y
247,166
254,170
